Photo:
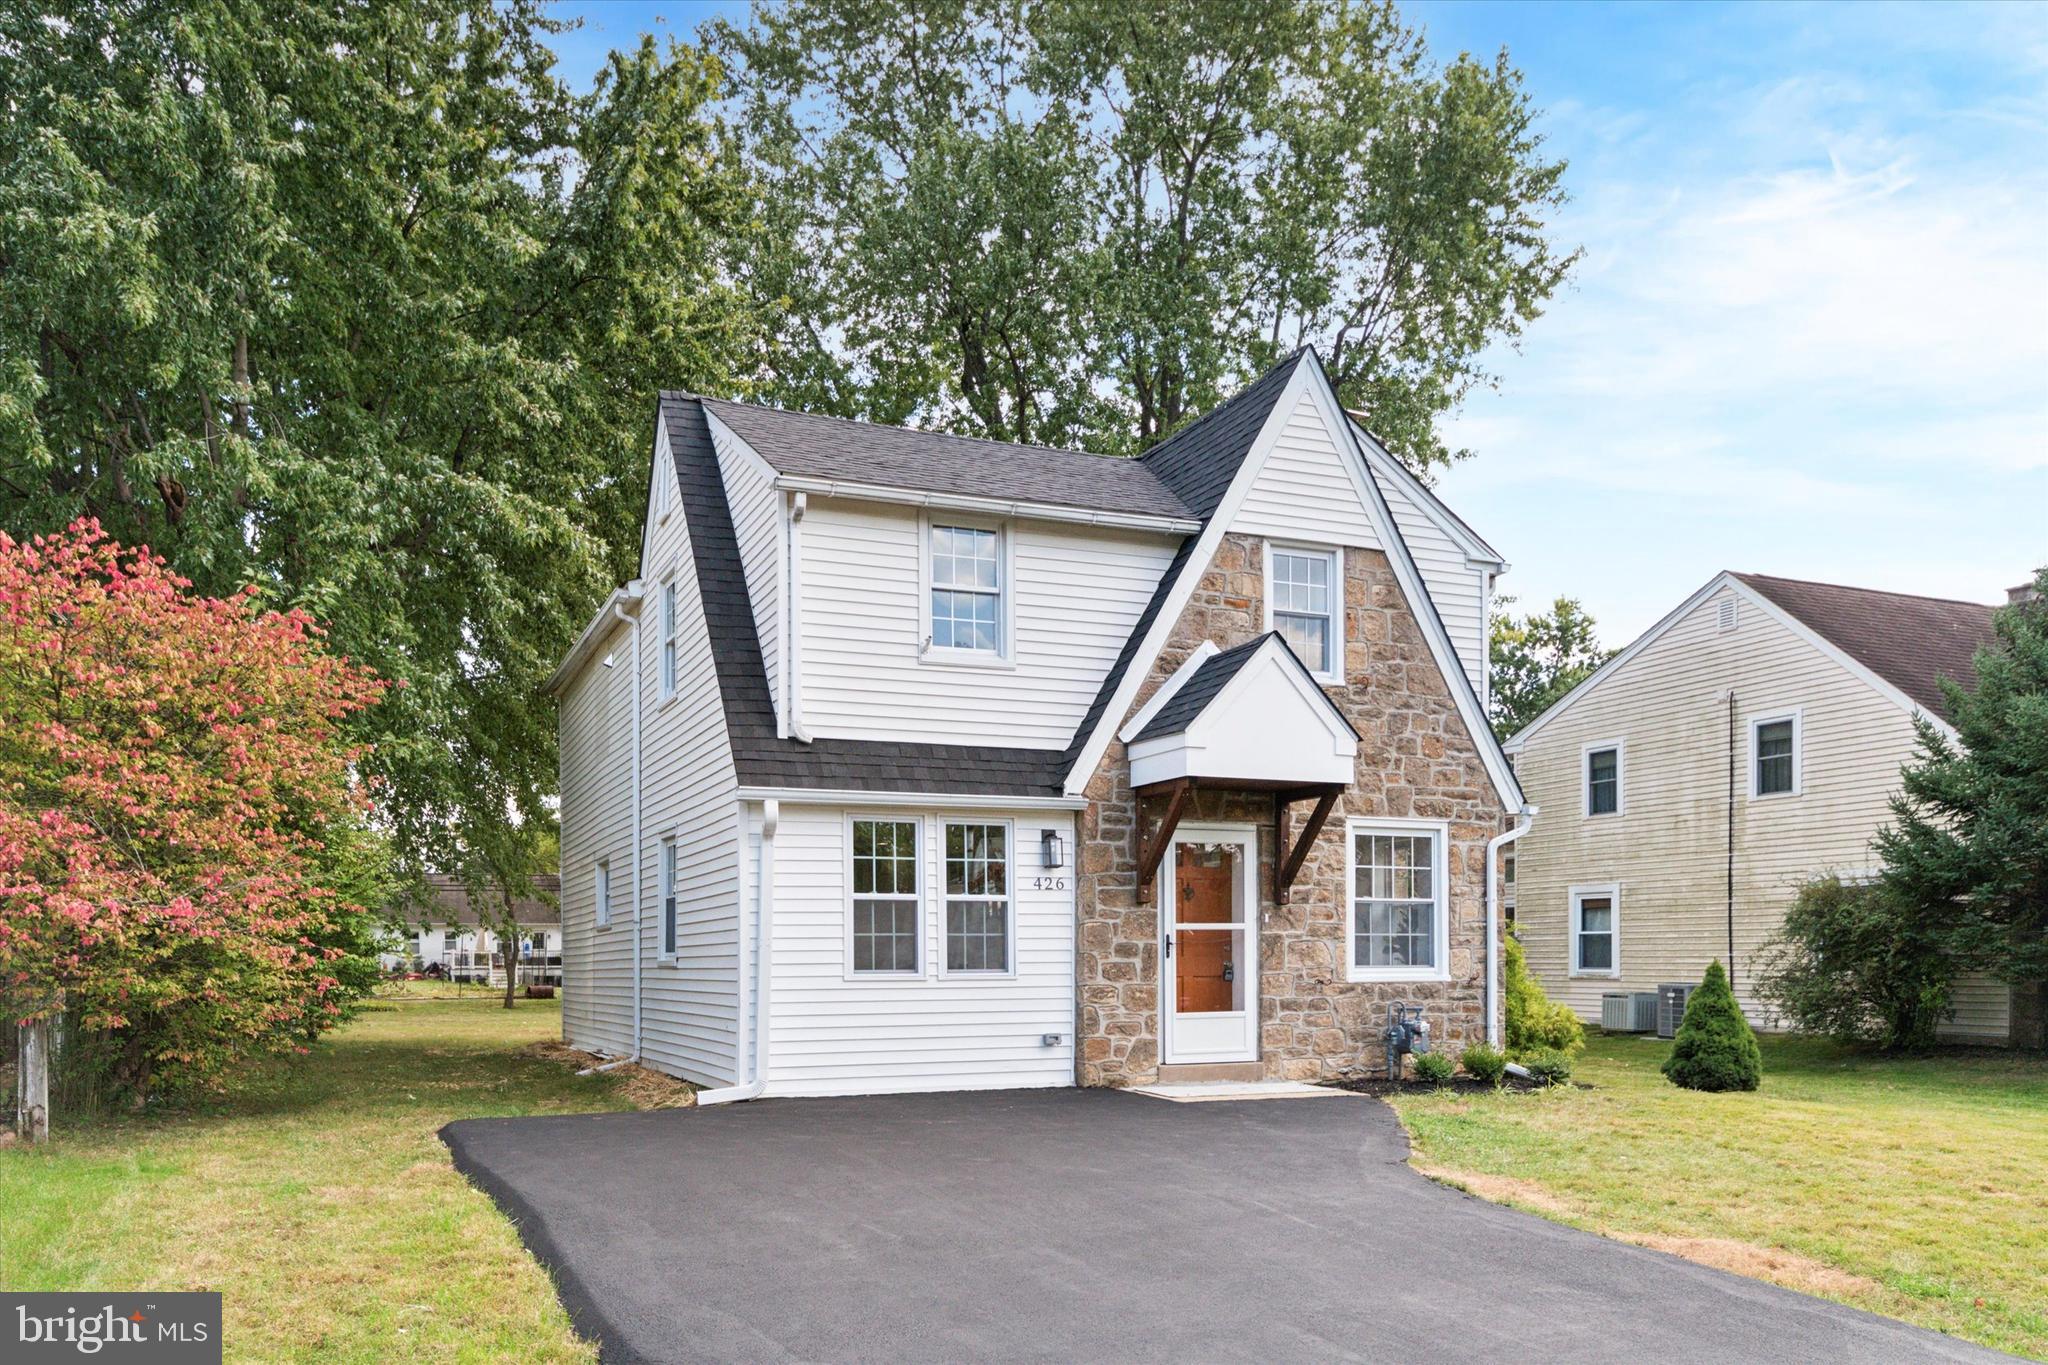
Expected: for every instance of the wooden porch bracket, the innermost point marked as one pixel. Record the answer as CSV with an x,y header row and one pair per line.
x,y
1150,851
1287,859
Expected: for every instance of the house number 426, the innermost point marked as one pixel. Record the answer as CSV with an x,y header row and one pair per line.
x,y
1048,883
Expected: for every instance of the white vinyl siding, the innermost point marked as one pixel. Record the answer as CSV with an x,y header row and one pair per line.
x,y
690,1004
1075,594
757,528
596,734
1669,844
934,1030
1303,494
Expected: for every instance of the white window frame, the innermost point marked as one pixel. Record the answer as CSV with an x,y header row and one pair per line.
x,y
1586,753
1440,830
1333,676
920,862
670,607
1756,723
1005,653
601,889
1576,895
670,924
942,896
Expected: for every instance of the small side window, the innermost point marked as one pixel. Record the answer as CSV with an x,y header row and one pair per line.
x,y
1595,931
603,888
1774,745
668,639
1603,778
668,897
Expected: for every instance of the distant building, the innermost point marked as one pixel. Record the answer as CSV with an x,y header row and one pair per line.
x,y
444,936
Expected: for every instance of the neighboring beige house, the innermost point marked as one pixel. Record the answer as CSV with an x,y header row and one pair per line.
x,y
1748,741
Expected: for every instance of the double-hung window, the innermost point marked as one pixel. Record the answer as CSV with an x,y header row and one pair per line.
x,y
1595,949
966,570
1398,906
1603,778
668,897
1306,592
1774,743
884,937
668,639
978,898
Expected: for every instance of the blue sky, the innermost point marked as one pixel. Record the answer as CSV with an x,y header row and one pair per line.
x,y
1810,333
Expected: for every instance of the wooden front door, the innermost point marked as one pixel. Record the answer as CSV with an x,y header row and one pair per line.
x,y
1208,943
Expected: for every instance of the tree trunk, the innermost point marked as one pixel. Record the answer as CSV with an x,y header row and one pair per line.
x,y
33,1084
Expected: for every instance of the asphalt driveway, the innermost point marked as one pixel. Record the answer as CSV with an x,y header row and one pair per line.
x,y
1087,1225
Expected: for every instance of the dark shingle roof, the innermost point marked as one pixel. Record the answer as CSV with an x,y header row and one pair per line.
x,y
1199,461
448,902
761,758
1908,641
799,443
1209,680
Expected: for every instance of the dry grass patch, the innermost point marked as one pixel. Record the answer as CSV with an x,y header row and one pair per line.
x,y
1911,1187
638,1086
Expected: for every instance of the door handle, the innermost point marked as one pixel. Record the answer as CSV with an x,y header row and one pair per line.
x,y
1169,943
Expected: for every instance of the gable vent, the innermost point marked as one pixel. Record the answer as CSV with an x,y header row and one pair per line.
x,y
1727,615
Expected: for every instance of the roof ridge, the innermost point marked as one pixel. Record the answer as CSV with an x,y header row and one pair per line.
x,y
1851,587
921,431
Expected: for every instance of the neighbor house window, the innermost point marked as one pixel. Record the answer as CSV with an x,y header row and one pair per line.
x,y
668,897
604,894
885,899
1594,947
668,639
1603,778
977,898
1398,904
1774,743
449,940
967,589
1305,595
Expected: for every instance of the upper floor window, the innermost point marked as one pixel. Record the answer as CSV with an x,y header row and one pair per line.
x,y
1305,592
1774,743
966,589
1603,778
883,935
1398,906
668,639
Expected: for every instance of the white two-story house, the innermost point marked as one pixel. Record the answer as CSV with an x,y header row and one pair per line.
x,y
915,762
1749,741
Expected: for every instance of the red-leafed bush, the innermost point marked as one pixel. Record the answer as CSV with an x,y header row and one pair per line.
x,y
174,790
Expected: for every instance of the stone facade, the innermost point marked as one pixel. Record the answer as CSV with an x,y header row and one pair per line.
x,y
1415,759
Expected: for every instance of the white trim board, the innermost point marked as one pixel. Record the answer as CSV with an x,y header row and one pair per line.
x,y
1726,578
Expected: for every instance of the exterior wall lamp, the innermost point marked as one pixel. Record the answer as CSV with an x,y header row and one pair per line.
x,y
1052,849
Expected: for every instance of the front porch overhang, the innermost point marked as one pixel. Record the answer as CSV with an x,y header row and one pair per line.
x,y
1290,850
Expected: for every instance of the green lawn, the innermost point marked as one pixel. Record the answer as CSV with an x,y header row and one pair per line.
x,y
1914,1188
317,1198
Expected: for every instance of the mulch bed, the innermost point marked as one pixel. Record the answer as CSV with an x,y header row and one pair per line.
x,y
1457,1085
639,1086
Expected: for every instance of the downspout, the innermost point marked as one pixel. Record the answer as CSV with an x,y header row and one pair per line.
x,y
751,1043
1494,845
1731,838
793,683
635,623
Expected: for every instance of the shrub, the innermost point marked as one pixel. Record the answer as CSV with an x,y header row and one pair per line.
x,y
1534,1020
1857,963
1714,1049
1484,1063
1434,1067
177,826
1548,1065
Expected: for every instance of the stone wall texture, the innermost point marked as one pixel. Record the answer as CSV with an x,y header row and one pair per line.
x,y
1416,759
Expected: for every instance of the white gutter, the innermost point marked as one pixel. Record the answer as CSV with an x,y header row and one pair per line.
x,y
625,598
1493,981
823,796
754,1029
992,507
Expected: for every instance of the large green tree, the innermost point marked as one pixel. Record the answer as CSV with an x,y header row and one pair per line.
x,y
1538,658
361,305
1968,844
1078,223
